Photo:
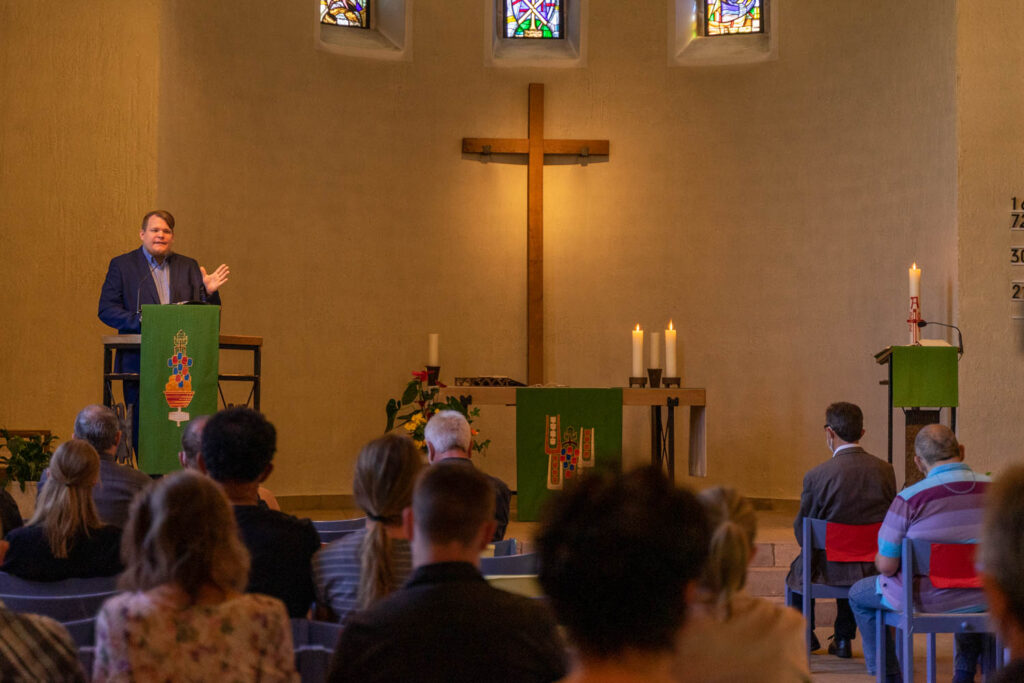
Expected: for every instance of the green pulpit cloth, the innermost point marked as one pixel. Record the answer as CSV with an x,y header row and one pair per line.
x,y
924,376
560,434
179,368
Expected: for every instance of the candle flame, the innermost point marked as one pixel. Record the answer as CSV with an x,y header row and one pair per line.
x,y
914,267
670,325
637,327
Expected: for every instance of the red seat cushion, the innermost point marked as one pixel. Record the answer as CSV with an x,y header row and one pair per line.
x,y
851,542
952,566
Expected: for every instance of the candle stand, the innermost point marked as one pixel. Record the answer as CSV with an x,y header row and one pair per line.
x,y
654,374
432,373
671,382
914,319
640,382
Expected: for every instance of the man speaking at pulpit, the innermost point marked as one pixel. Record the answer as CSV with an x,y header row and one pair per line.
x,y
151,274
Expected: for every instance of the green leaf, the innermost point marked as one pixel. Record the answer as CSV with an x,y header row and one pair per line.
x,y
412,389
392,410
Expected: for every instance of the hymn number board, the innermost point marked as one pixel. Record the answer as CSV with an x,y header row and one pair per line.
x,y
1017,253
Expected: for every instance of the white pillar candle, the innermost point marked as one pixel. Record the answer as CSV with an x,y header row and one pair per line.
x,y
670,351
433,357
655,349
915,281
638,352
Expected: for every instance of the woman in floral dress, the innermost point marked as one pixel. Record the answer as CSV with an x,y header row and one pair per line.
x,y
184,617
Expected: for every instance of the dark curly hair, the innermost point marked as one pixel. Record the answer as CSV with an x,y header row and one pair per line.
x,y
238,444
616,554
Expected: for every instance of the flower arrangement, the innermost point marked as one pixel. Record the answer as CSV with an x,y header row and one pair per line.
x,y
421,398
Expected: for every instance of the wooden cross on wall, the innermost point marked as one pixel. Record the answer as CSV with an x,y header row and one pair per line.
x,y
535,147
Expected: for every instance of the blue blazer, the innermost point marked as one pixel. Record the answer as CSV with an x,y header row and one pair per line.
x,y
129,285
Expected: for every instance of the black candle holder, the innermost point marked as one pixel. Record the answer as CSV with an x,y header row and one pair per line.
x,y
639,382
671,382
654,374
432,372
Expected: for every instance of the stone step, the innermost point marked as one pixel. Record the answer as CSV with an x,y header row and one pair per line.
x,y
767,582
824,611
774,554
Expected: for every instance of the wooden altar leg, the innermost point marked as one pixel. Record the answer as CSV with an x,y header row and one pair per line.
x,y
656,454
916,419
673,403
698,442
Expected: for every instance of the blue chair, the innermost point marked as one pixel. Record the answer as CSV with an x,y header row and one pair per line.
x,y
505,547
340,524
509,564
328,536
815,537
83,632
916,561
13,585
314,643
63,608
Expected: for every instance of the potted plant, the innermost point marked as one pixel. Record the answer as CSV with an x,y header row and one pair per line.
x,y
24,459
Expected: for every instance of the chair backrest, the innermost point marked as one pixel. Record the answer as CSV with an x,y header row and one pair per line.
x,y
947,565
12,585
509,564
326,536
504,547
842,542
314,643
318,633
83,631
340,524
62,608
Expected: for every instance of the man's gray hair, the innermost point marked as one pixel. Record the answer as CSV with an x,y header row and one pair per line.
x,y
446,430
99,426
936,442
192,439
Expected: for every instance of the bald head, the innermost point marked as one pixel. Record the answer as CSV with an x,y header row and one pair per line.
x,y
192,441
98,425
936,443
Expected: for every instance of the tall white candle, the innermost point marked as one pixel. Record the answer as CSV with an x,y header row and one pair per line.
x,y
433,341
638,352
915,280
655,349
670,351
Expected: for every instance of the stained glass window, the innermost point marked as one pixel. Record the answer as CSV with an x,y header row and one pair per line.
x,y
345,13
727,17
533,18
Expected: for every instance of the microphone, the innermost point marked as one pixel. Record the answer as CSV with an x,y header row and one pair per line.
x,y
960,335
138,292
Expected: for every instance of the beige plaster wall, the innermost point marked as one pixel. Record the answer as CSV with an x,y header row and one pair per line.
x,y
78,123
991,172
771,210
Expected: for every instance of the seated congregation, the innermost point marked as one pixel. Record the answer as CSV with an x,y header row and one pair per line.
x,y
642,580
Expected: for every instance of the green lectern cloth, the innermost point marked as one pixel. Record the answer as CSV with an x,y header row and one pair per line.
x,y
561,433
179,368
924,376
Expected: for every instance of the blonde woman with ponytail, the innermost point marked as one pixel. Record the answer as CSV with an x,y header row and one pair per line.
x,y
359,569
65,538
730,635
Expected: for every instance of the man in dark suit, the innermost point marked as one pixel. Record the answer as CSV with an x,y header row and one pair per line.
x,y
852,487
447,623
151,274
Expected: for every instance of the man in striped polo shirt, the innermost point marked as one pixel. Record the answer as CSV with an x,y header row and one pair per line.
x,y
946,507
